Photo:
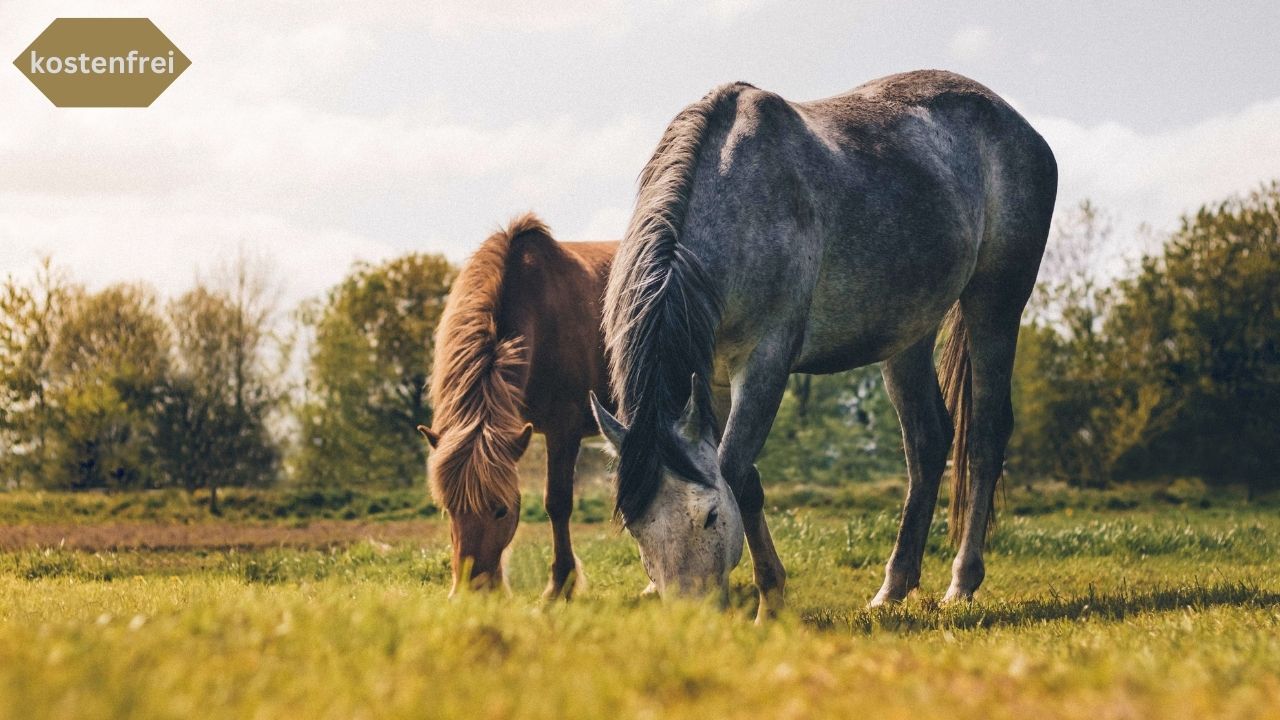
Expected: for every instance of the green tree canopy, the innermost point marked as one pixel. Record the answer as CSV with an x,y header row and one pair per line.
x,y
1197,334
30,316
223,388
367,374
1173,371
108,367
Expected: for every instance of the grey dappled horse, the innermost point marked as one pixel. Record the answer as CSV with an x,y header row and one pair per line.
x,y
772,237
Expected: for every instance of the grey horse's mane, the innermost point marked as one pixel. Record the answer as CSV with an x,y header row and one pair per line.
x,y
661,312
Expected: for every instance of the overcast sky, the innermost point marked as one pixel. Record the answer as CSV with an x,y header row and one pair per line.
x,y
320,132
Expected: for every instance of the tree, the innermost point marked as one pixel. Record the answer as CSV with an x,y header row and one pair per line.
x,y
107,370
367,374
1062,375
1175,370
222,389
1198,338
29,319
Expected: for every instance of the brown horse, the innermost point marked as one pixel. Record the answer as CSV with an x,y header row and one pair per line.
x,y
517,351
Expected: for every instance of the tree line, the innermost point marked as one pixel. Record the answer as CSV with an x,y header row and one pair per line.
x,y
1172,370
115,389
1170,367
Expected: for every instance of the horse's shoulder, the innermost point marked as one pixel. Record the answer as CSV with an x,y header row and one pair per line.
x,y
754,124
756,109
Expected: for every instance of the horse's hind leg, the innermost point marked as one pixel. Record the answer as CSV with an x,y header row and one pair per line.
x,y
1018,210
566,570
991,312
993,334
912,385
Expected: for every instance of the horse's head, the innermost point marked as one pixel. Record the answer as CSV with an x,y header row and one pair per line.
x,y
690,534
473,476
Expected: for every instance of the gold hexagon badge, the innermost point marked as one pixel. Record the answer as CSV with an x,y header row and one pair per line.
x,y
102,62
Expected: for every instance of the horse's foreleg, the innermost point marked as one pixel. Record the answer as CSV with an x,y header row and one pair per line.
x,y
756,393
912,385
769,574
566,570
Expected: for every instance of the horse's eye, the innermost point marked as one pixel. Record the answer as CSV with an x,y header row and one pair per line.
x,y
711,519
500,513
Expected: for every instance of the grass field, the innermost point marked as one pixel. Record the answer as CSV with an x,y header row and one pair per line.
x,y
1115,606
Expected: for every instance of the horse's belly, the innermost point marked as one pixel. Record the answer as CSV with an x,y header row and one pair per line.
x,y
831,346
864,314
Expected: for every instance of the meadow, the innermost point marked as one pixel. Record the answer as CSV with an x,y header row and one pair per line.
x,y
1157,602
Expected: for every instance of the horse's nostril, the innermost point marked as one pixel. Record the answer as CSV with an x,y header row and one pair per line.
x,y
711,519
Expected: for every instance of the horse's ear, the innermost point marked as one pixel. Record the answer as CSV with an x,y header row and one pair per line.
x,y
522,442
691,426
432,436
612,429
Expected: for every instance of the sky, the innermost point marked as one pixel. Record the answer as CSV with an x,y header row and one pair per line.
x,y
315,134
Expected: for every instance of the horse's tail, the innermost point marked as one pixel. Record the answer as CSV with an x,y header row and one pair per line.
x,y
956,373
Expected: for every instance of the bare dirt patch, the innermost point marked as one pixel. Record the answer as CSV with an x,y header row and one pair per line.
x,y
215,535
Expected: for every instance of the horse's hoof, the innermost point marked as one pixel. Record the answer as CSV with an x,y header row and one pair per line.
x,y
575,581
553,592
882,599
765,615
889,595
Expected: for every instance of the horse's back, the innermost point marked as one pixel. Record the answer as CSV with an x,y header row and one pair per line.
x,y
969,168
870,208
595,256
932,135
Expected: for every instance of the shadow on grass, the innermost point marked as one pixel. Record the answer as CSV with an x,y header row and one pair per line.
x,y
929,615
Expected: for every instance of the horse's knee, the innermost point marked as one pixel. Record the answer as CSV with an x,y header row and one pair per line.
x,y
559,506
769,575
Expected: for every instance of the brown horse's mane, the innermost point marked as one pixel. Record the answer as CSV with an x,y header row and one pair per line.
x,y
475,386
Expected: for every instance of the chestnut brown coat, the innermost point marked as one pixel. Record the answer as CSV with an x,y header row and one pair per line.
x,y
517,351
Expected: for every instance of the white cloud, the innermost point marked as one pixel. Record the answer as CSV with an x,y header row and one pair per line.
x,y
248,149
465,16
608,223
282,177
972,43
251,148
732,9
1155,177
100,241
